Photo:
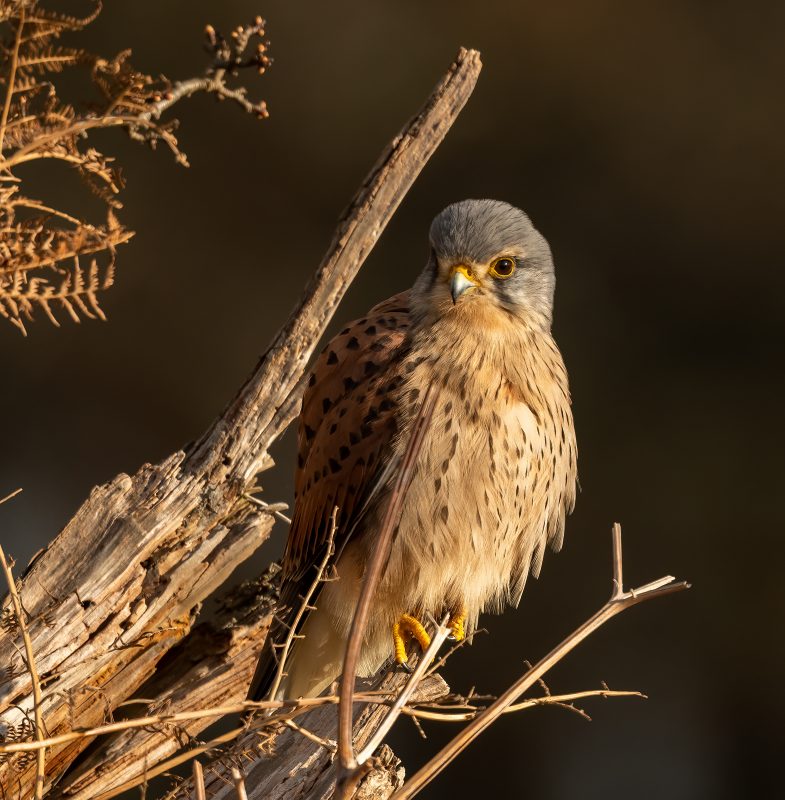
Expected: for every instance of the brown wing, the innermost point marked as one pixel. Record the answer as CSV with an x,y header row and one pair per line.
x,y
346,427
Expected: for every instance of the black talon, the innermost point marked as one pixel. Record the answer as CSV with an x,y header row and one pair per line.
x,y
404,667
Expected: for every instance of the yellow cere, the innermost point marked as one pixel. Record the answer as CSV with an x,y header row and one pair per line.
x,y
467,272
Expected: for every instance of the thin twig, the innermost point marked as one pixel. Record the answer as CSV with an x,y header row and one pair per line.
x,y
271,508
9,92
10,496
618,565
198,777
617,603
171,763
304,606
210,84
327,744
457,646
302,703
39,723
239,784
373,571
548,700
439,637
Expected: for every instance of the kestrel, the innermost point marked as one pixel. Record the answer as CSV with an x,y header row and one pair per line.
x,y
496,474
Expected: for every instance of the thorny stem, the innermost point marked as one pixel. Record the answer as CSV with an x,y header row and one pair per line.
x,y
286,706
304,606
347,762
457,713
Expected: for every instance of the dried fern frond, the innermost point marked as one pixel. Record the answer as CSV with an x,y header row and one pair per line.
x,y
40,246
36,244
77,293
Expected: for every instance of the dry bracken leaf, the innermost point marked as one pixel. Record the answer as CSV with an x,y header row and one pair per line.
x,y
41,246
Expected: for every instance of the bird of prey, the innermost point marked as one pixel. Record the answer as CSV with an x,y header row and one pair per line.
x,y
493,481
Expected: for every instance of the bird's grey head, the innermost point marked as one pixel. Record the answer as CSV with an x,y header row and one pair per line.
x,y
486,252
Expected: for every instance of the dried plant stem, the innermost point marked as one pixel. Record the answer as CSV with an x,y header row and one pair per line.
x,y
210,84
327,744
273,508
289,707
618,602
30,659
304,606
301,704
239,784
547,700
10,496
9,92
198,776
348,763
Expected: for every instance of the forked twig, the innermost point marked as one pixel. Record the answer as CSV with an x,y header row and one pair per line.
x,y
30,659
347,761
618,602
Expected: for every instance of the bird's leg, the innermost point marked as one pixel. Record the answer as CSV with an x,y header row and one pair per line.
x,y
457,624
408,627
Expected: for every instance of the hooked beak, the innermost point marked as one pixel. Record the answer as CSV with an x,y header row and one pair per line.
x,y
461,279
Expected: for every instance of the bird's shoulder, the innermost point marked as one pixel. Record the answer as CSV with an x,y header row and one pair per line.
x,y
346,426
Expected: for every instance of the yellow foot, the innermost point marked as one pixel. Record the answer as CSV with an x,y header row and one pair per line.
x,y
408,627
457,625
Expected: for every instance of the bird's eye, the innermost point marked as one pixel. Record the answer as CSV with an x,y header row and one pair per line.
x,y
503,267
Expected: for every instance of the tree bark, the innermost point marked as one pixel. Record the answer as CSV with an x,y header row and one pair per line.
x,y
210,667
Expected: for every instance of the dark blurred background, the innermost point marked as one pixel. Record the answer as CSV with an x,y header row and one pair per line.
x,y
645,141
